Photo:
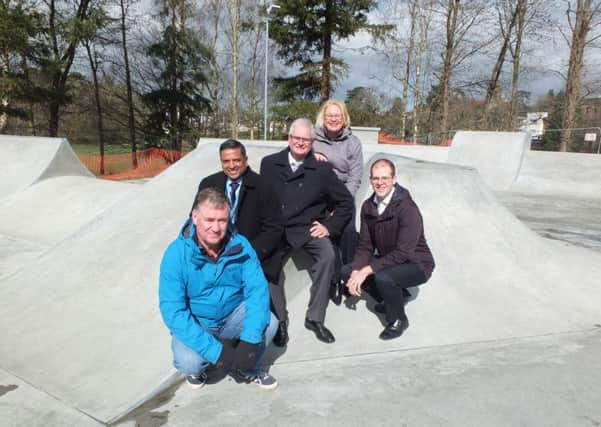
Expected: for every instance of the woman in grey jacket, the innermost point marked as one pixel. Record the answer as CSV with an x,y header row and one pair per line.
x,y
335,143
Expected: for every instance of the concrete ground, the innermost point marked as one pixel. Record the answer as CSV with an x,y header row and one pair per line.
x,y
550,380
570,219
505,333
544,380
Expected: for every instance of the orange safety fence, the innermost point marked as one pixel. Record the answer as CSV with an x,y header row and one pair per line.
x,y
384,138
150,162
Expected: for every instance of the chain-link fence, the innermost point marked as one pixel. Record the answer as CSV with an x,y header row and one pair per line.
x,y
581,140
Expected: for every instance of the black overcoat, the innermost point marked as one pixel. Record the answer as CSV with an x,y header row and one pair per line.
x,y
312,193
258,217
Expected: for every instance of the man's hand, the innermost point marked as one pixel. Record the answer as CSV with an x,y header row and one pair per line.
x,y
320,157
246,356
226,359
318,230
357,279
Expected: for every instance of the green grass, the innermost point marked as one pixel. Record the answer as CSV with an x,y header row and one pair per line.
x,y
90,149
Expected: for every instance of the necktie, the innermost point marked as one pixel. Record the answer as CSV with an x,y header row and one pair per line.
x,y
233,187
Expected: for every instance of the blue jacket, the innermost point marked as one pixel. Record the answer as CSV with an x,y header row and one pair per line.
x,y
197,292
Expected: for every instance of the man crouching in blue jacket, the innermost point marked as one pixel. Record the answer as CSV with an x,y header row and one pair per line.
x,y
214,297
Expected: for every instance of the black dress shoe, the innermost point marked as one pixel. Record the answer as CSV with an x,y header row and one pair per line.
x,y
335,295
394,329
280,339
321,332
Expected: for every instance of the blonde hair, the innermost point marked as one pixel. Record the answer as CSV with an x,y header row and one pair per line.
x,y
346,120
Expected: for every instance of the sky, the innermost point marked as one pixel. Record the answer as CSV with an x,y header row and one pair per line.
x,y
542,62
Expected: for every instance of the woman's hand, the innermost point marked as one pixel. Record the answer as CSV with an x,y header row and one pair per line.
x,y
320,157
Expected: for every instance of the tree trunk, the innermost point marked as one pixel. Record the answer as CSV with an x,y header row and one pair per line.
x,y
326,66
4,100
445,80
30,103
59,77
572,93
235,13
425,15
253,81
94,66
496,71
131,124
408,66
516,54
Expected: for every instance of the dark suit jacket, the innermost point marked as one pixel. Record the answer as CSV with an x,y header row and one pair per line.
x,y
258,217
307,195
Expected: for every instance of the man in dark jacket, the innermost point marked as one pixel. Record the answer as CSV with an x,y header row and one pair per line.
x,y
392,249
254,207
308,190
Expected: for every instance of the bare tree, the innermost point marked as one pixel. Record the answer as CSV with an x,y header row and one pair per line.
x,y
506,25
255,54
516,52
460,19
235,31
580,27
413,14
131,123
424,20
62,45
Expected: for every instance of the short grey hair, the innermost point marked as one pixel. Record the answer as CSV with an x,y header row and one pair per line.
x,y
211,195
302,122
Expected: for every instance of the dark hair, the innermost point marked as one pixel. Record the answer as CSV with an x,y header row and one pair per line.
x,y
385,161
232,144
211,195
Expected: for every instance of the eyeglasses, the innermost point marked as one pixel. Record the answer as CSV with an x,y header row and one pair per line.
x,y
333,116
380,178
300,139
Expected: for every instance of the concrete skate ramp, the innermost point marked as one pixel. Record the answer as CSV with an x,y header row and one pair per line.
x,y
494,278
497,155
67,203
431,153
26,160
566,174
82,323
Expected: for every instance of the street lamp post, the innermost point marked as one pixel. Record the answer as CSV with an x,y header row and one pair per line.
x,y
268,11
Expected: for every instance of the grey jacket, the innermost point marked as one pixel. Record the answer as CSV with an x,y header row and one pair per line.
x,y
345,154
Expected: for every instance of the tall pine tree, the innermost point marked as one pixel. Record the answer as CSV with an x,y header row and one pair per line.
x,y
304,31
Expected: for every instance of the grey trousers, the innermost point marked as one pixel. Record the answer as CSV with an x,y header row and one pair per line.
x,y
321,271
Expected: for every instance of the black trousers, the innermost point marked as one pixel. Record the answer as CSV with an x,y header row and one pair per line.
x,y
389,283
345,247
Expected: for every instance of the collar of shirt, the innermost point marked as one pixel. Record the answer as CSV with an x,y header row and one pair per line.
x,y
384,203
294,164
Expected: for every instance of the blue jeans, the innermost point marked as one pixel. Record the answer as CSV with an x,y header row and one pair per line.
x,y
189,362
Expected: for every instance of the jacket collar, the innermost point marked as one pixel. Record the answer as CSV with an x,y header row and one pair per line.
x,y
281,159
322,136
249,178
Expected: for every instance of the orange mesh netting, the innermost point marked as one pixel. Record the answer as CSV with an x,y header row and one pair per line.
x,y
150,162
384,138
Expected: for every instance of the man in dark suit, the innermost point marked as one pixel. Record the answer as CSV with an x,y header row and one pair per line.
x,y
316,207
254,208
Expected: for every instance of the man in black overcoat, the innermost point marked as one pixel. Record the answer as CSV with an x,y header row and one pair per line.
x,y
254,206
316,207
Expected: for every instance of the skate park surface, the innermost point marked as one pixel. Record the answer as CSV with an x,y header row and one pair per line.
x,y
505,333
